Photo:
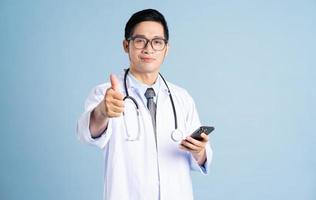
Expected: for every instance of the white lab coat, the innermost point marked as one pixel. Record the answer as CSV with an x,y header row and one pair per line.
x,y
136,170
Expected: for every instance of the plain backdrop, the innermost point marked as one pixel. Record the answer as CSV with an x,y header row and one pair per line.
x,y
249,65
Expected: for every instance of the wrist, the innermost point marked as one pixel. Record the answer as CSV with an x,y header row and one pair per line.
x,y
98,121
201,157
100,111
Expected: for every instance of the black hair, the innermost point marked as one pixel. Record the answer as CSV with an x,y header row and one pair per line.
x,y
145,15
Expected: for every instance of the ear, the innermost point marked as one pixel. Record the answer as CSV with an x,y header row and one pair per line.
x,y
125,46
167,49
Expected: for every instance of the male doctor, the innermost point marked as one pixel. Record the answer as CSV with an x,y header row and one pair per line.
x,y
144,160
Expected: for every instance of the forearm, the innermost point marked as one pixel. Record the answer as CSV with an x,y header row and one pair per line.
x,y
98,121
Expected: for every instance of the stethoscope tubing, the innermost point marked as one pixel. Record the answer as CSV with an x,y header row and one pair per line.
x,y
136,104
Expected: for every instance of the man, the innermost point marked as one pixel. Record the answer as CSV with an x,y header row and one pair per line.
x,y
143,157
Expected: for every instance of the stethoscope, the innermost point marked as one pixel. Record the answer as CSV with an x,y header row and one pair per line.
x,y
176,134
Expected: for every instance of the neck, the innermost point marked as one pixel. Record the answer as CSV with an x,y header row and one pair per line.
x,y
148,78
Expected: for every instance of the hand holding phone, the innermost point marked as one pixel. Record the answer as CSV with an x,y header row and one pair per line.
x,y
203,129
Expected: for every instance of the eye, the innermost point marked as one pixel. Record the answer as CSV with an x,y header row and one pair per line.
x,y
158,42
139,40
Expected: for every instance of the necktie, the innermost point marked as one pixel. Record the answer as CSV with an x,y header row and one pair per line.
x,y
151,105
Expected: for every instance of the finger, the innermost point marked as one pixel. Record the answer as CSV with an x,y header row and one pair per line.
x,y
195,142
190,146
116,109
118,103
117,95
185,148
114,114
205,137
114,82
112,98
112,94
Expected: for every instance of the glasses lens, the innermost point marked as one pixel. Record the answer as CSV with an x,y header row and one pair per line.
x,y
158,44
139,43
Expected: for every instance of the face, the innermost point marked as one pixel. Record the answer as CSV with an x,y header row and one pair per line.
x,y
146,60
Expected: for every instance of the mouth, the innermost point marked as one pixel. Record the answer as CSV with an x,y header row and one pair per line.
x,y
147,59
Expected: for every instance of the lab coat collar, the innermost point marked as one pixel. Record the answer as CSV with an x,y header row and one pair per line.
x,y
135,85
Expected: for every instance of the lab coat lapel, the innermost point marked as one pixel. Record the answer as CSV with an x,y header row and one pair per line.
x,y
164,116
163,97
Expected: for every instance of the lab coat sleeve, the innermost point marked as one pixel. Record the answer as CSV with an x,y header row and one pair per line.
x,y
193,123
83,131
205,168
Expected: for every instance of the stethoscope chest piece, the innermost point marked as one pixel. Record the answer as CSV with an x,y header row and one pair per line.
x,y
177,135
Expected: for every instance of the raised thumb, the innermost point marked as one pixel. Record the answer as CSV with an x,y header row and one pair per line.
x,y
114,82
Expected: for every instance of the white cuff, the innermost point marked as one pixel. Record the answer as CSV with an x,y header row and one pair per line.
x,y
84,134
205,168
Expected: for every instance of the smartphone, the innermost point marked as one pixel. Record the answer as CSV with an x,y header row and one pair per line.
x,y
203,129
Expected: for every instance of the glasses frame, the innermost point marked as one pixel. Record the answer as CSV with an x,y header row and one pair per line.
x,y
132,38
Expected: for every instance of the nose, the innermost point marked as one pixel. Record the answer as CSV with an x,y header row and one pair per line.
x,y
148,48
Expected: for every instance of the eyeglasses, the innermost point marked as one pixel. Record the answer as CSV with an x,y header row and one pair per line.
x,y
158,44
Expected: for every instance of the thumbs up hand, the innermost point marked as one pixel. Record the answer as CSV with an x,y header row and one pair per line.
x,y
113,99
111,106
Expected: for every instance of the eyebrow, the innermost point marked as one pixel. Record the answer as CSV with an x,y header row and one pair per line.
x,y
143,36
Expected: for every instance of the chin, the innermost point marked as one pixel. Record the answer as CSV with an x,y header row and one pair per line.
x,y
147,68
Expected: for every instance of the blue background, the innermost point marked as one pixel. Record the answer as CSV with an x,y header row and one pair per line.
x,y
249,65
